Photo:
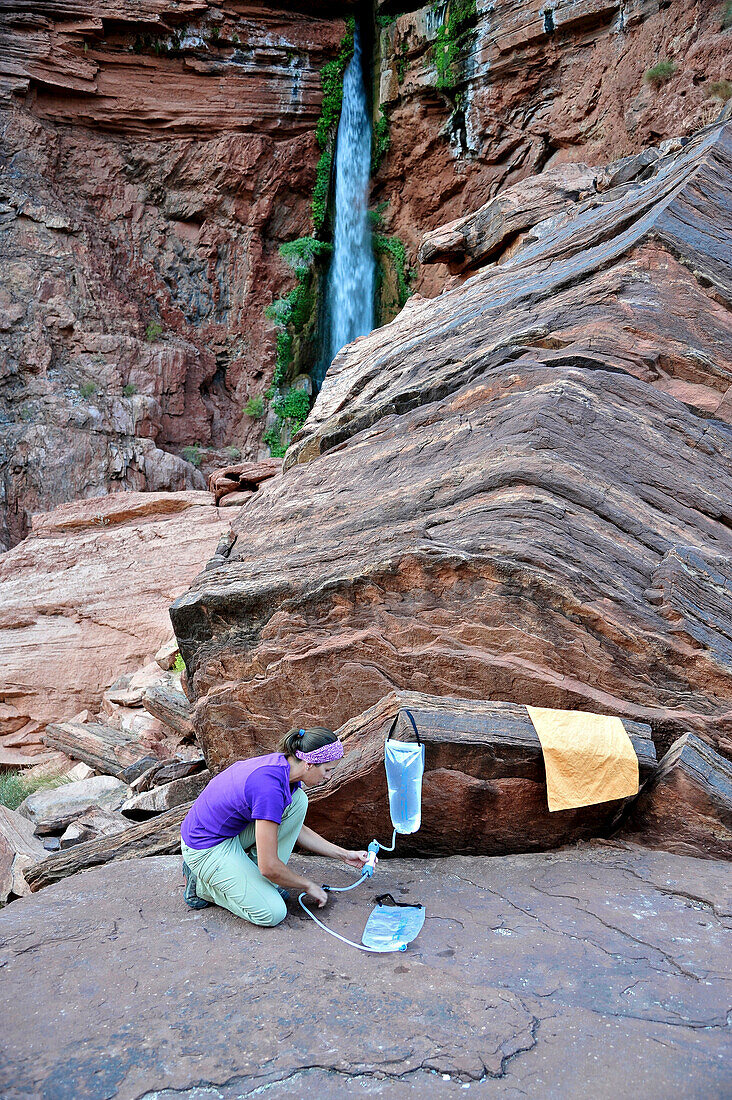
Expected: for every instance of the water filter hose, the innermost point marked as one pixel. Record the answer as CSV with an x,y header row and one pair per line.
x,y
368,870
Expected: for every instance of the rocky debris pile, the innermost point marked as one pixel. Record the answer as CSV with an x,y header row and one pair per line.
x,y
85,599
518,490
539,974
484,791
234,485
133,765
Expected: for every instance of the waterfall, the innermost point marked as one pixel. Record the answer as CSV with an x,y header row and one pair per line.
x,y
350,290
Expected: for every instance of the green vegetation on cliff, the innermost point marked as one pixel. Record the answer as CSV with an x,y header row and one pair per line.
x,y
291,409
660,73
452,39
331,77
292,313
381,140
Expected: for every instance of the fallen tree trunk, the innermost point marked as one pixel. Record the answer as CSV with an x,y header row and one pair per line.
x,y
171,707
159,836
105,749
20,848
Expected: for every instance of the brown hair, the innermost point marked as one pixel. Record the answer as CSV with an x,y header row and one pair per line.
x,y
306,740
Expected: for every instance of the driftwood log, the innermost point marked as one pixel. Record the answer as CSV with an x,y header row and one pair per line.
x,y
160,798
20,848
159,836
171,707
484,788
105,749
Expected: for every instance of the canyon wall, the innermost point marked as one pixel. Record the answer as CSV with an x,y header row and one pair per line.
x,y
474,96
154,156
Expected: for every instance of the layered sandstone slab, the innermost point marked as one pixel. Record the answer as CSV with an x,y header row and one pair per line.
x,y
687,807
484,786
530,86
513,491
636,279
86,597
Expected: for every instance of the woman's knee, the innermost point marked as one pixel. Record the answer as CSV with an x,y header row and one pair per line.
x,y
269,917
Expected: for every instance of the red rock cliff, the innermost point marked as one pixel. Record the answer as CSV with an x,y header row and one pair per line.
x,y
476,96
155,154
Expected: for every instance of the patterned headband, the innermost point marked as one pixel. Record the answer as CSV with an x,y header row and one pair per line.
x,y
332,751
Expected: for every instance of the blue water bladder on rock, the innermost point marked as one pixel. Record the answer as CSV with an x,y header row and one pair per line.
x,y
392,927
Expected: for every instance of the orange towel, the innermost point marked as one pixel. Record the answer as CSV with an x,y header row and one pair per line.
x,y
589,758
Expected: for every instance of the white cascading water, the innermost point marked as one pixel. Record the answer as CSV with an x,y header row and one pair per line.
x,y
350,296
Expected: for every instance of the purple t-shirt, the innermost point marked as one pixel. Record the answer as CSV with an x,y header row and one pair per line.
x,y
250,790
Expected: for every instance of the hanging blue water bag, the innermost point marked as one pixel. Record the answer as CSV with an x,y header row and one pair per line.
x,y
392,927
404,762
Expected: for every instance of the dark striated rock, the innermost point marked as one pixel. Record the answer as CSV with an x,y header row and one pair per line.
x,y
513,491
687,808
483,766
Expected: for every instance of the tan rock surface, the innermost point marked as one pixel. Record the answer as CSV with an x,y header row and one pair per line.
x,y
86,600
592,972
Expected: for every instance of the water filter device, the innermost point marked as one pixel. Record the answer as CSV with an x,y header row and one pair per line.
x,y
404,763
391,927
370,864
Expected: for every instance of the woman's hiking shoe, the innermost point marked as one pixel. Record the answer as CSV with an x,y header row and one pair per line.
x,y
190,896
284,894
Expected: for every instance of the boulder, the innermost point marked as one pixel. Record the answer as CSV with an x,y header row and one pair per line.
x,y
52,810
235,499
166,702
167,654
94,823
244,477
484,787
20,848
479,237
99,745
519,490
687,807
165,796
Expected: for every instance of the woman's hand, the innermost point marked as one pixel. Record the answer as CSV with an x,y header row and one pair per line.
x,y
355,859
317,893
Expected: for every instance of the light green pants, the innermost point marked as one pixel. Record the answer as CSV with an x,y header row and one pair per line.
x,y
228,875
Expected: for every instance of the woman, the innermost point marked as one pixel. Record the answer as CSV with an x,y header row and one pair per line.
x,y
239,833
